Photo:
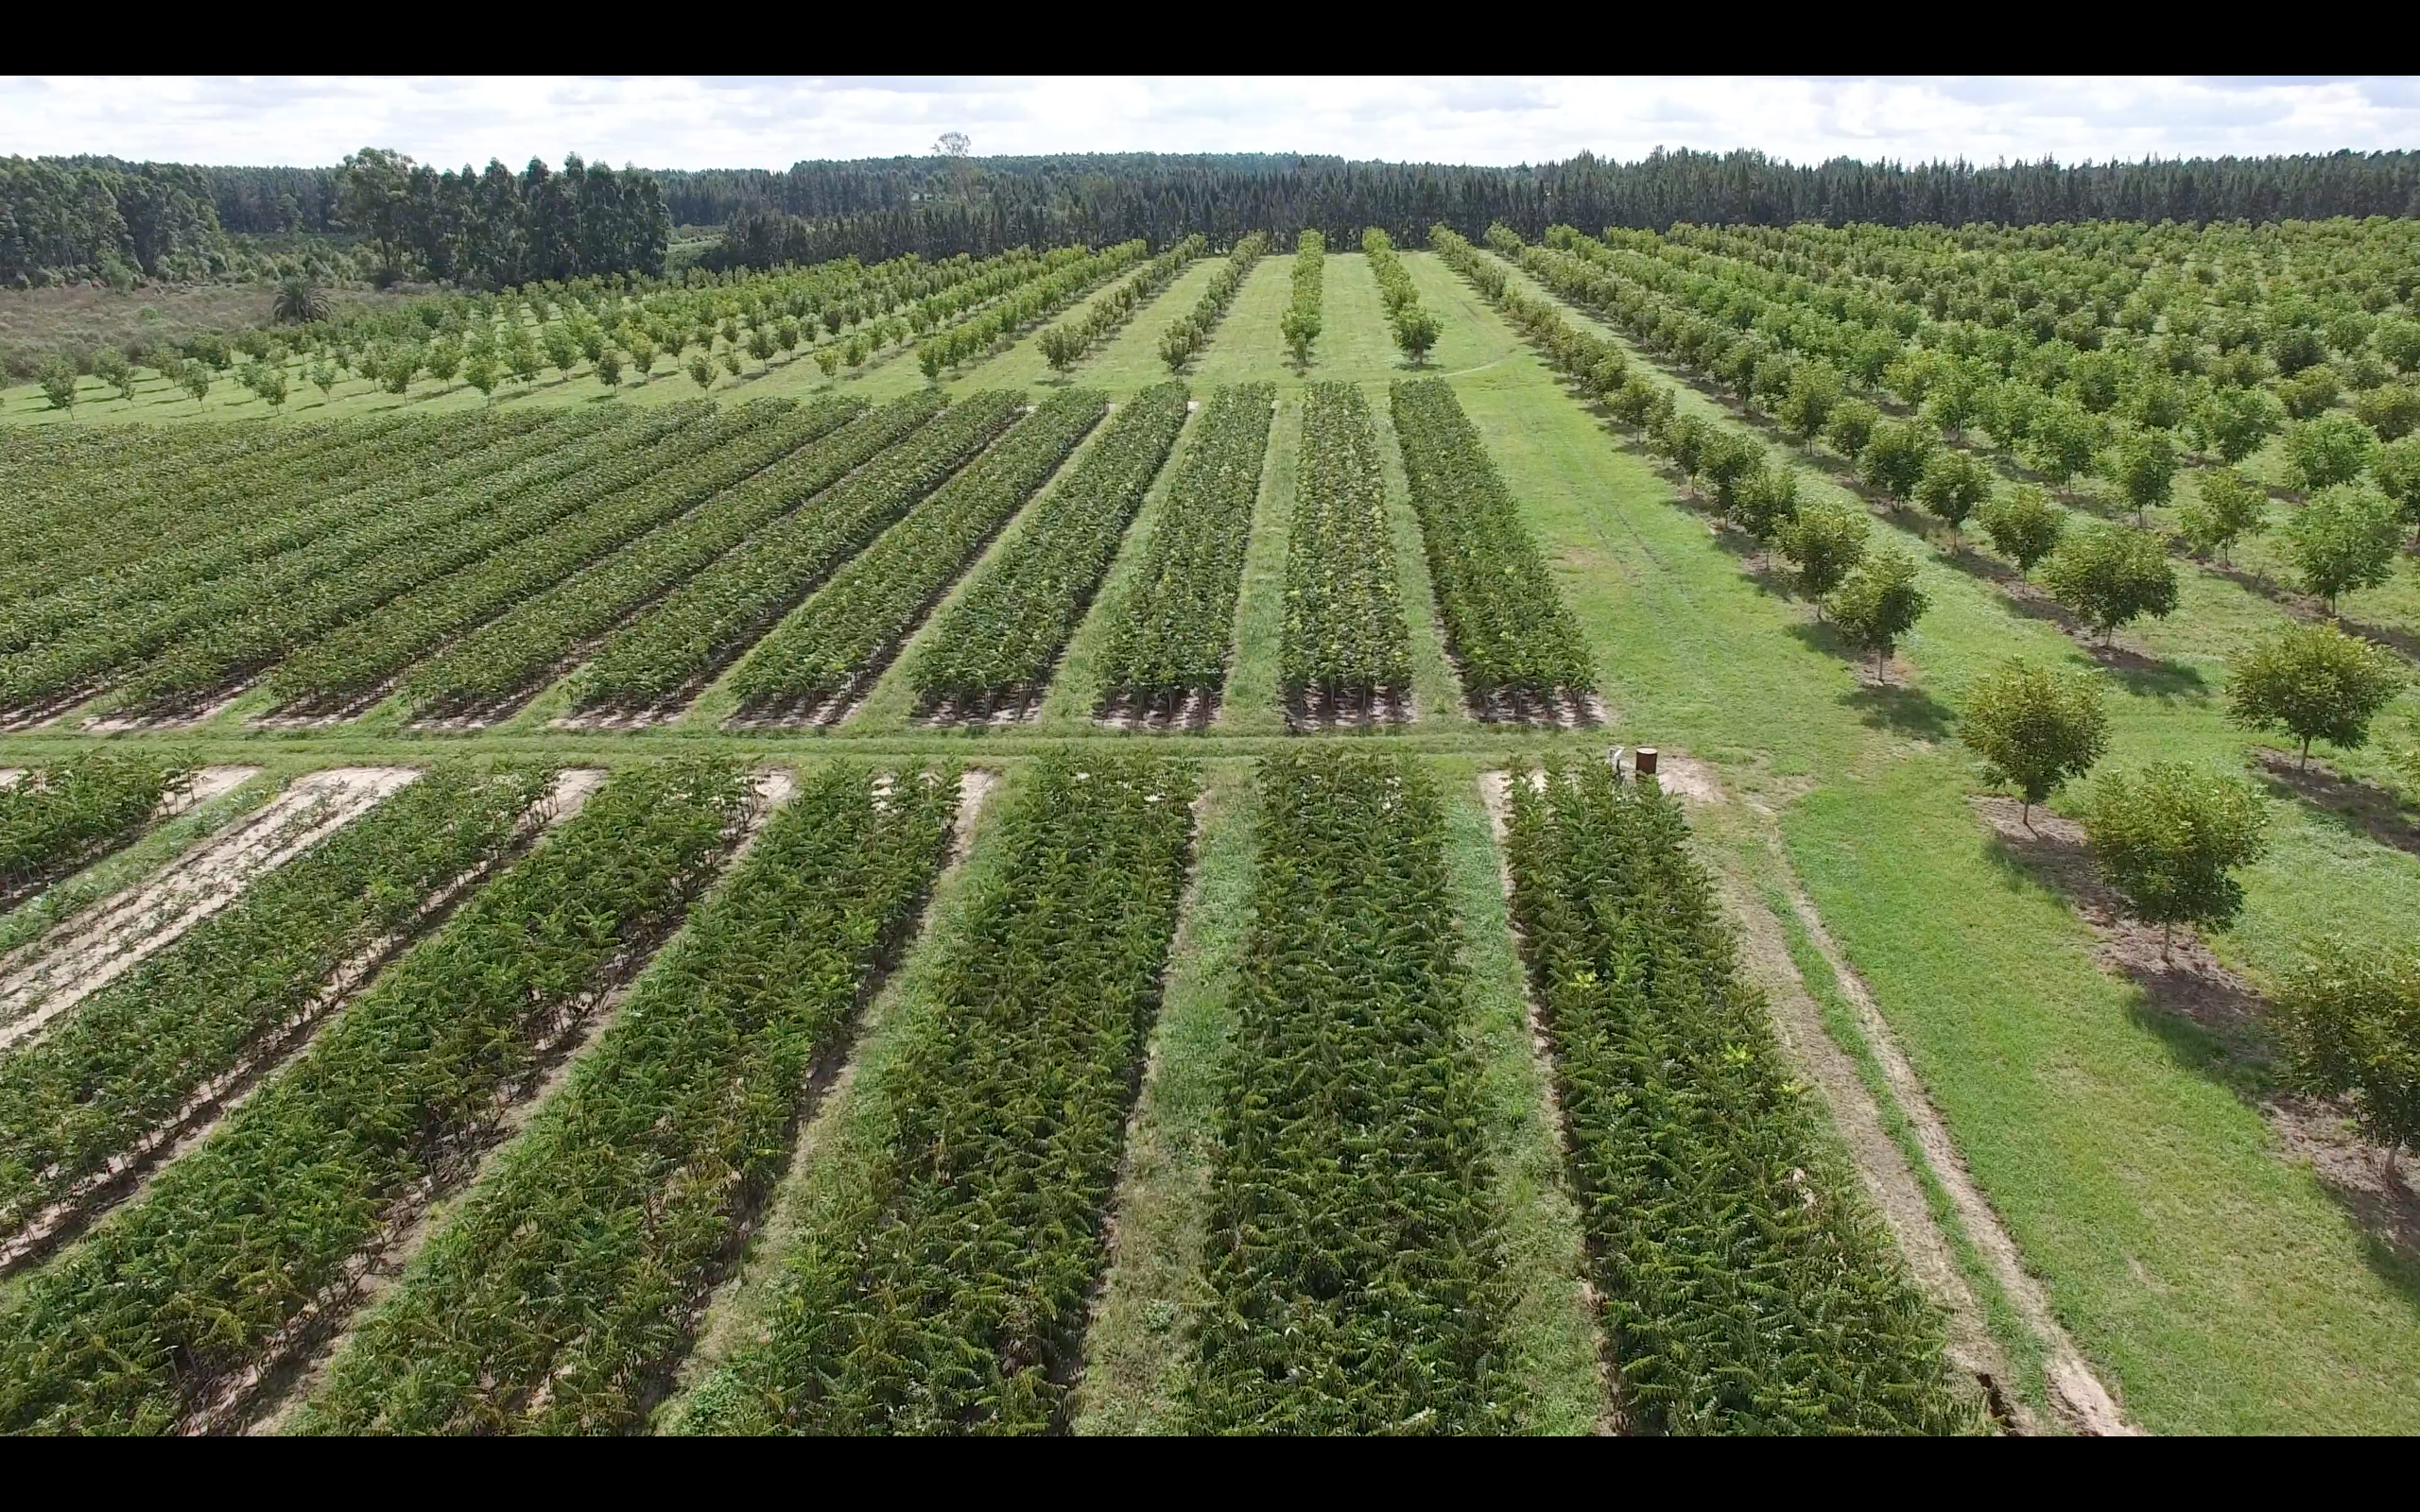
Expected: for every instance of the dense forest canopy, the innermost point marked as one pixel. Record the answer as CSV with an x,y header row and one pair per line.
x,y
98,218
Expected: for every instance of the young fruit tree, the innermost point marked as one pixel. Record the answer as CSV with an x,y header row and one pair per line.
x,y
1824,541
1895,458
2233,423
2397,472
2036,728
2345,538
2170,838
2351,1018
2226,508
2025,526
2329,450
2314,682
1952,486
1879,604
1416,331
2111,575
1300,328
2143,465
1850,426
1765,502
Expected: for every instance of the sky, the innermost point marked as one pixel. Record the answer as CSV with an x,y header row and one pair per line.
x,y
773,122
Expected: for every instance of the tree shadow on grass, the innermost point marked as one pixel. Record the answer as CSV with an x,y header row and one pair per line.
x,y
1899,707
2216,1024
2360,808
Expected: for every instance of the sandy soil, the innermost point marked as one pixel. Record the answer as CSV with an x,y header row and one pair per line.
x,y
47,977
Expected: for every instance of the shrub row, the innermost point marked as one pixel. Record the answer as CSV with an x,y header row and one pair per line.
x,y
1170,636
842,637
1037,300
1180,341
1065,344
945,1290
1357,1283
1345,634
246,1247
701,626
54,817
559,1294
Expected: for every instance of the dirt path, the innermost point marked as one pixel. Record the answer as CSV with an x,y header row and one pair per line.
x,y
54,973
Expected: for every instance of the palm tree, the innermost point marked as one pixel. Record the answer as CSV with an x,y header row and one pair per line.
x,y
300,299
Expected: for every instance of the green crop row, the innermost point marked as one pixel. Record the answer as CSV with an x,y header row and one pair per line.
x,y
707,622
1037,300
54,817
1002,638
1171,634
246,1247
256,621
848,632
1508,623
945,1291
556,1296
1180,341
1345,634
128,1061
425,459
1746,1288
1065,344
360,656
509,655
1357,1283
1300,324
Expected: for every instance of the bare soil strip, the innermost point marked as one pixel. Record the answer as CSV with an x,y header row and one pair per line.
x,y
54,973
2379,1187
128,1171
1312,712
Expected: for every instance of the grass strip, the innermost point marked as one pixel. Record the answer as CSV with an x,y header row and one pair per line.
x,y
248,1241
945,1290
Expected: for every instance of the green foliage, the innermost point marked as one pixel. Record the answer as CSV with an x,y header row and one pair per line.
x,y
2235,422
1504,617
1953,484
1745,1286
137,1329
1170,633
2225,509
1879,603
2035,727
2111,575
122,1069
944,1292
2169,839
1815,391
2313,682
1021,295
2023,525
632,1181
2345,538
1345,634
56,817
1895,458
2397,472
2327,451
59,383
701,625
1300,324
1849,427
2065,440
1825,541
2390,409
2143,465
1355,1275
852,625
2351,1021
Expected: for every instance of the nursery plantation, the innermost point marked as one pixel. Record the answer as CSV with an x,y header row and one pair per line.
x,y
1733,829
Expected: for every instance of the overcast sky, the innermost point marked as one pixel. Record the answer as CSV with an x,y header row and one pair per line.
x,y
769,123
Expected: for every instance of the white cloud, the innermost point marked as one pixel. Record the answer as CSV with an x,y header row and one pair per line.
x,y
762,122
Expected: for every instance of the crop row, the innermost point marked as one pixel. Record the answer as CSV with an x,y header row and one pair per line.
x,y
122,634
54,817
701,625
1170,633
556,1296
508,655
1356,1278
1504,617
426,459
364,654
1415,329
1065,344
129,1059
1014,311
853,625
1003,636
1345,634
1745,1287
1181,340
218,630
1300,324
945,1290
246,1249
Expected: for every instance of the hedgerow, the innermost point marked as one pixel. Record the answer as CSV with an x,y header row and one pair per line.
x,y
1346,635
